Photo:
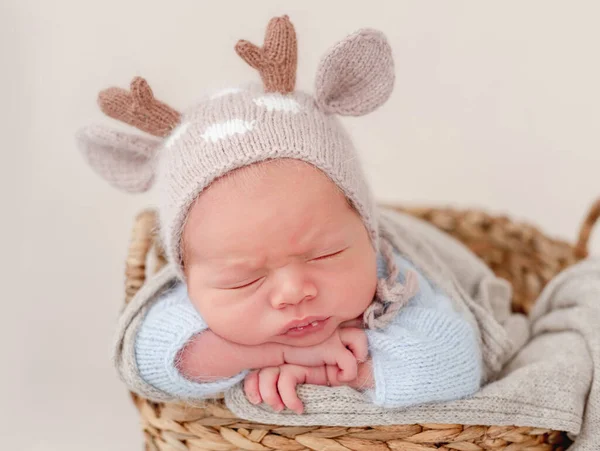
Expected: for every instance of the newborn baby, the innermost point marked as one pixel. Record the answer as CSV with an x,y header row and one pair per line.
x,y
281,270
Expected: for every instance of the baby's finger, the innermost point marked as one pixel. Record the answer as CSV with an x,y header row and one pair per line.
x,y
332,375
267,385
348,366
355,340
286,385
316,375
251,387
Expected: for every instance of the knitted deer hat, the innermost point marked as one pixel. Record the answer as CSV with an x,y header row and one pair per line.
x,y
241,126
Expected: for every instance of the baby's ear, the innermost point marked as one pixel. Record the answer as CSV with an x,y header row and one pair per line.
x,y
122,159
357,75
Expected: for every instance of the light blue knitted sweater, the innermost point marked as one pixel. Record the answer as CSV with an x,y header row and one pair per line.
x,y
427,353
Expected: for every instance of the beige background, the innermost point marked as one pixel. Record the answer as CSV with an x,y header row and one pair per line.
x,y
496,106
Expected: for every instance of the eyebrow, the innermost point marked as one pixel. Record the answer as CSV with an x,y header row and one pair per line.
x,y
239,265
226,275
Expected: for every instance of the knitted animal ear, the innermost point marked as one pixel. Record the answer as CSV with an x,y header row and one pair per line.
x,y
357,75
122,159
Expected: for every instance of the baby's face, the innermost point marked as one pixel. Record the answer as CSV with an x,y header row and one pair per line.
x,y
264,252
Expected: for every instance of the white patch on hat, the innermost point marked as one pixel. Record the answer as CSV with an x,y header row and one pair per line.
x,y
176,134
222,130
278,102
225,92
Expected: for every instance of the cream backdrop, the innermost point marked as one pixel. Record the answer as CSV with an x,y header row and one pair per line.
x,y
496,105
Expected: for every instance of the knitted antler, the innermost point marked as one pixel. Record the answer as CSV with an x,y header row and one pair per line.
x,y
139,108
277,59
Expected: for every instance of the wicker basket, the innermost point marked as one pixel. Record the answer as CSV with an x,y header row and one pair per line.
x,y
517,252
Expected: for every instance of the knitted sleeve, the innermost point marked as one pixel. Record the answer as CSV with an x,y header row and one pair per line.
x,y
167,327
428,353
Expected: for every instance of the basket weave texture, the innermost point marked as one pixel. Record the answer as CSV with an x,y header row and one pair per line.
x,y
517,252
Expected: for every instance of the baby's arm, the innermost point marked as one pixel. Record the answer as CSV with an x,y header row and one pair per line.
x,y
429,353
178,354
207,357
202,357
165,329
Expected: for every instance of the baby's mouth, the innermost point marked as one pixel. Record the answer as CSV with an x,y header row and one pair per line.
x,y
313,324
306,327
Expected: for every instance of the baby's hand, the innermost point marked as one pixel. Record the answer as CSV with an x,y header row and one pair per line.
x,y
345,348
276,386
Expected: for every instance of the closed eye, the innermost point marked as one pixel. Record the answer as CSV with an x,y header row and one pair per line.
x,y
245,285
324,257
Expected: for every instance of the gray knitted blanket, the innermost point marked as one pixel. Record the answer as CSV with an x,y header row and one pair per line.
x,y
539,370
549,384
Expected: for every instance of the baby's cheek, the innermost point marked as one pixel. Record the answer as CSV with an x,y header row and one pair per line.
x,y
237,323
212,311
356,291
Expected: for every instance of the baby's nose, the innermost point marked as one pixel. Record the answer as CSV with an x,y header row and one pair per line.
x,y
292,287
281,301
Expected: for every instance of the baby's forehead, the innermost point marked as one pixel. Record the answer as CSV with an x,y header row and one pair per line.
x,y
272,203
267,180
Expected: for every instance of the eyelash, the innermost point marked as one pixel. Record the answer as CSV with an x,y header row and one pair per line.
x,y
247,285
323,257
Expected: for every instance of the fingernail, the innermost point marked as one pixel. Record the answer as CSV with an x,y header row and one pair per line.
x,y
254,399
